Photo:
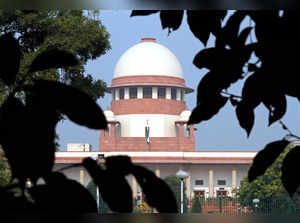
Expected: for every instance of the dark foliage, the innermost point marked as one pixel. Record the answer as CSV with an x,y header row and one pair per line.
x,y
10,56
261,51
260,163
289,177
31,153
52,58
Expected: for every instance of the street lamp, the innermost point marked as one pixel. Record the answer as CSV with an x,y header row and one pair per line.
x,y
255,202
181,175
97,157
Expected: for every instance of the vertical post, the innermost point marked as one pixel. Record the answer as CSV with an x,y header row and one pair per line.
x,y
211,183
98,199
81,177
181,209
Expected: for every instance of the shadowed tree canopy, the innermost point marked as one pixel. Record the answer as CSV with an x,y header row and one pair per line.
x,y
76,31
257,48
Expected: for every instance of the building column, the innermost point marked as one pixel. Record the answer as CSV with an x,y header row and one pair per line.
x,y
134,187
81,176
233,184
211,183
188,187
157,172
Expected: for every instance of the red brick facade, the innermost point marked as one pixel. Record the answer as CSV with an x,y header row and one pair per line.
x,y
148,106
148,80
157,144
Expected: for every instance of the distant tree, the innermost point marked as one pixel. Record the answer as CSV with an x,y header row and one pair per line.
x,y
196,208
175,185
76,31
268,188
256,47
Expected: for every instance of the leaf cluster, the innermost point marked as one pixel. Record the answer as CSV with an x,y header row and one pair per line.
x,y
27,136
75,31
272,173
270,37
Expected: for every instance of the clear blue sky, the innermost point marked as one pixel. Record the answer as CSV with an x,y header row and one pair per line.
x,y
222,132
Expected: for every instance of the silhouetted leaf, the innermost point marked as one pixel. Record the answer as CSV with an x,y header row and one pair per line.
x,y
265,158
206,110
245,115
252,91
202,23
171,19
233,101
243,36
121,164
252,67
53,58
277,107
16,119
61,194
289,177
113,186
142,12
157,192
232,27
77,105
10,56
210,58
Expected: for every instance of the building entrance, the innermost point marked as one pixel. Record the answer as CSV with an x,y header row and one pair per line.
x,y
199,193
221,193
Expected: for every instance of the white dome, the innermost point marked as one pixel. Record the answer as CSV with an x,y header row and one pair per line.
x,y
185,115
109,115
148,58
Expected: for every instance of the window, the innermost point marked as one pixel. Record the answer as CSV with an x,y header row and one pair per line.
x,y
118,130
177,129
113,92
198,182
161,92
182,95
147,92
121,93
173,93
133,92
221,182
186,130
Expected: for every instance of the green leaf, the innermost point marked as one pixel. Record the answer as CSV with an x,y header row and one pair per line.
x,y
75,104
53,58
10,56
265,158
290,165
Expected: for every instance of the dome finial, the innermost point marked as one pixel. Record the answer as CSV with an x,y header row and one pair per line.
x,y
148,39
